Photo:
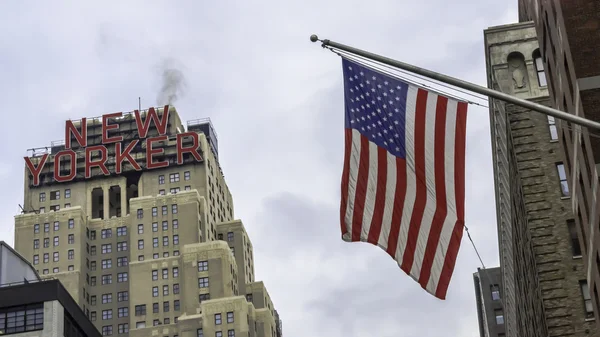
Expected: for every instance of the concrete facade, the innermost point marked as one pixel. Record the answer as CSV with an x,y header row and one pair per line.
x,y
543,275
149,253
490,311
569,36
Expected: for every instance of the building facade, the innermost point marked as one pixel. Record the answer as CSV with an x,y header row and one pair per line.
x,y
544,287
490,312
149,250
569,37
31,307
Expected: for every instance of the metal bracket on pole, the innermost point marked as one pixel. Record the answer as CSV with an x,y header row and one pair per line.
x,y
463,84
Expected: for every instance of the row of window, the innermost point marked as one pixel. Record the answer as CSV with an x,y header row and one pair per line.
x,y
22,319
155,242
165,273
156,255
107,330
55,208
164,210
122,296
174,177
55,257
164,226
55,195
165,290
122,261
56,226
230,333
56,270
36,242
107,279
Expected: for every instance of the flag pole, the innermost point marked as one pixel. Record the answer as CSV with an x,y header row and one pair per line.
x,y
462,84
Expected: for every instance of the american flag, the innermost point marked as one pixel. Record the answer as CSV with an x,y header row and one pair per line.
x,y
403,184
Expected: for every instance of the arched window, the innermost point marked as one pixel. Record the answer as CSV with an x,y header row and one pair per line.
x,y
539,68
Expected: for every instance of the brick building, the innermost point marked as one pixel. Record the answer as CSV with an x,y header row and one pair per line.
x,y
544,289
569,37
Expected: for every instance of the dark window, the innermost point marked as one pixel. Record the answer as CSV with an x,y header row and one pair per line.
x,y
21,319
575,247
217,319
140,310
587,299
230,317
562,176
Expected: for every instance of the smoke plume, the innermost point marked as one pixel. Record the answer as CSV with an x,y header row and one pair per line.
x,y
173,83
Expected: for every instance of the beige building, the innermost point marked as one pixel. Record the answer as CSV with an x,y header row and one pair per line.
x,y
151,252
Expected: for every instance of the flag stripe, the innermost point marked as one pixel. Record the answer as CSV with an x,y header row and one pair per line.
x,y
362,181
421,185
382,166
352,182
393,195
345,179
450,220
459,180
440,191
371,191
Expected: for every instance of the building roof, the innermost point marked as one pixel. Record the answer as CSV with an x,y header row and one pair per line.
x,y
14,252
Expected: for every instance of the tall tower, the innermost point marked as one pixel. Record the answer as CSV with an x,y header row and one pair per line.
x,y
132,214
544,289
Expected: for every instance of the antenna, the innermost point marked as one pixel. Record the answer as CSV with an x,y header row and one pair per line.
x,y
140,104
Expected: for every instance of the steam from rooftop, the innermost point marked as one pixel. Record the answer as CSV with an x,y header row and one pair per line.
x,y
173,83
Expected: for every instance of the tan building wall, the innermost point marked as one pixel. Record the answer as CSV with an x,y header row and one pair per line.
x,y
149,253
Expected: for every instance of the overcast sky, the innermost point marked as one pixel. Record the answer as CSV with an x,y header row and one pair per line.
x,y
276,101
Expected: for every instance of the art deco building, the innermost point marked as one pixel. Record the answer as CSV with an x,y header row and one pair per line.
x,y
569,38
544,289
146,252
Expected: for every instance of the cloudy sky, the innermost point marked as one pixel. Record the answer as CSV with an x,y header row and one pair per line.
x,y
275,99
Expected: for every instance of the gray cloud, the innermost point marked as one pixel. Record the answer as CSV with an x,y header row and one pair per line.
x,y
276,101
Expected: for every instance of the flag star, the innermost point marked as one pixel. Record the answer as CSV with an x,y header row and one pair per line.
x,y
368,127
390,114
385,106
352,121
379,122
384,119
391,140
374,78
392,91
385,131
351,79
362,74
373,125
396,135
373,90
363,128
368,105
356,87
379,134
396,122
361,85
397,148
384,94
349,68
386,82
391,127
396,110
397,98
362,96
362,107
351,110
391,102
378,110
363,118
398,87
368,116
379,86
373,113
379,98
367,94
373,102
356,76
368,82
351,90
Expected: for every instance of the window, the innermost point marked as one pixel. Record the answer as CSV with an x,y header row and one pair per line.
x,y
43,197
71,254
203,297
199,333
36,228
155,242
122,261
106,264
107,279
93,300
495,289
161,179
123,328
155,226
230,236
46,242
499,316
186,175
36,244
175,272
71,239
154,275
218,334
230,317
154,212
165,241
56,226
92,235
106,314
67,193
123,296
46,257
175,190
166,254
165,274
140,213
42,210
188,188
107,248
562,176
217,319
123,312
107,330
154,291
176,305
122,246
71,223
140,310
165,226
175,253
175,239
36,259
575,247
93,281
155,308
21,319
55,241
249,297
174,177
55,270
161,192
203,282
176,288
552,127
202,265
140,257
587,299
93,250
175,224
140,244
93,316
121,231
165,290
166,306
106,233
140,229
46,228
122,277
174,209
55,256
539,68
106,298
230,333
